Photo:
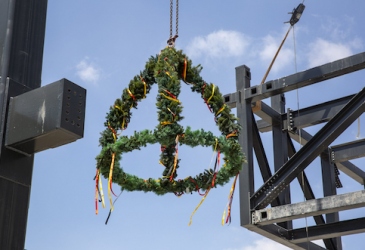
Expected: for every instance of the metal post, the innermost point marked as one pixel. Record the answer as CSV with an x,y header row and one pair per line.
x,y
244,114
329,189
280,150
22,30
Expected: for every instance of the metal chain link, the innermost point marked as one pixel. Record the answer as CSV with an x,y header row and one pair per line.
x,y
171,40
170,18
177,17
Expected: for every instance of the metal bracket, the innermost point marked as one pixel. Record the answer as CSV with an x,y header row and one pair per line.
x,y
46,117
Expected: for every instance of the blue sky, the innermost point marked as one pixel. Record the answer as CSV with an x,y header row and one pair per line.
x,y
101,45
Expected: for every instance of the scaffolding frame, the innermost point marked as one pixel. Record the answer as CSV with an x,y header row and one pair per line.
x,y
287,126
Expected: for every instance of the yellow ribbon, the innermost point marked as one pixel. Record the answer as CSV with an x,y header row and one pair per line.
x,y
170,98
185,68
165,123
123,123
223,217
144,87
101,191
131,95
197,207
220,110
110,182
212,93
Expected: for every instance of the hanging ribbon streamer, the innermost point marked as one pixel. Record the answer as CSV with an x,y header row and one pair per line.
x,y
110,191
176,157
101,192
217,161
197,207
229,204
96,191
110,211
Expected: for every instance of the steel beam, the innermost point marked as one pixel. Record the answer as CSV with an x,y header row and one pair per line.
x,y
347,151
262,158
315,114
266,113
260,153
346,167
318,74
351,170
330,230
329,204
304,117
280,235
282,178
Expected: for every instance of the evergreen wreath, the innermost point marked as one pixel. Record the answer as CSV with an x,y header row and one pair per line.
x,y
167,69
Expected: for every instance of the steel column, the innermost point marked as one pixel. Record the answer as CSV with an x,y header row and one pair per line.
x,y
244,114
22,30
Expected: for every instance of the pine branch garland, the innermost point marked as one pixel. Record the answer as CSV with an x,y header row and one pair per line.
x,y
167,69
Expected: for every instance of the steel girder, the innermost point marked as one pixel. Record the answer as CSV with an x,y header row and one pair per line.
x,y
339,115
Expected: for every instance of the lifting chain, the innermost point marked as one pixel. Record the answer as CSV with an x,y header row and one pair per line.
x,y
171,41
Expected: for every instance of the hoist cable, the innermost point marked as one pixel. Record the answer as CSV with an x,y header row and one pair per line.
x,y
300,131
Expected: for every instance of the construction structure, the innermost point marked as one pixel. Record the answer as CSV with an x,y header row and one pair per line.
x,y
32,118
267,209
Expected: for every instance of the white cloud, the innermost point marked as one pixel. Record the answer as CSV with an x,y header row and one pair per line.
x,y
337,28
263,244
219,44
266,244
323,51
87,71
270,47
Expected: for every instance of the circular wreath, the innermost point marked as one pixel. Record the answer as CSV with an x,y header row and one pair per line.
x,y
167,69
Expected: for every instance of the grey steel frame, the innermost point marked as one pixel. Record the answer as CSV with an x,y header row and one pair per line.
x,y
275,222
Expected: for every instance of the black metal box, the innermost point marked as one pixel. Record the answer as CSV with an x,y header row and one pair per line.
x,y
46,117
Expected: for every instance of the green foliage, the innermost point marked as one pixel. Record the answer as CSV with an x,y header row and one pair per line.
x,y
167,69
